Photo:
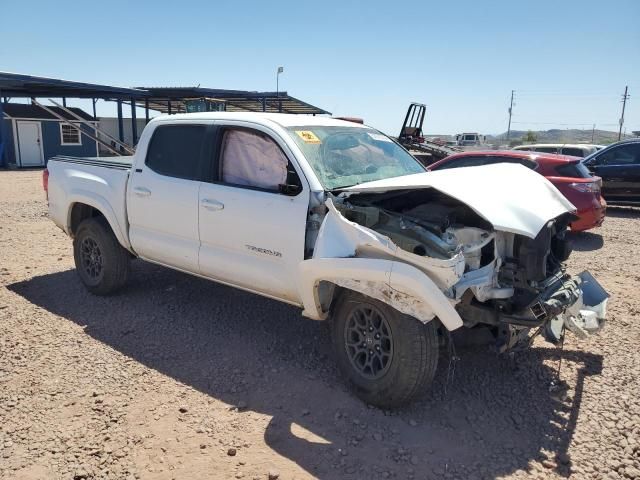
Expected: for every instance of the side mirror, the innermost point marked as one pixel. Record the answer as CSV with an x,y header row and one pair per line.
x,y
289,189
292,185
592,162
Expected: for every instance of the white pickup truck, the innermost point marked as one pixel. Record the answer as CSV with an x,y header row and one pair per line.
x,y
339,220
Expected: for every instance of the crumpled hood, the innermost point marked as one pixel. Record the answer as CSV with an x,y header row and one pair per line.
x,y
511,197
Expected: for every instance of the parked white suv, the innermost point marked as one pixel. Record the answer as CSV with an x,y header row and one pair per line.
x,y
574,149
338,219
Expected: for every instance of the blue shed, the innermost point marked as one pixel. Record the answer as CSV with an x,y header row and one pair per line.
x,y
32,135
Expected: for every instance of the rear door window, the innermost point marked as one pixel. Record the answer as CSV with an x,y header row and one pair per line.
x,y
547,149
527,162
573,170
464,162
488,160
176,151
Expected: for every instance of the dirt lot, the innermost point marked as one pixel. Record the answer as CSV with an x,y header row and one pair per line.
x,y
181,378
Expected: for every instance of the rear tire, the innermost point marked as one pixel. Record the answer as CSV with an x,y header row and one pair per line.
x,y
388,358
102,263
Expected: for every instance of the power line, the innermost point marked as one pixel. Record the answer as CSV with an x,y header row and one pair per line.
x,y
553,123
568,95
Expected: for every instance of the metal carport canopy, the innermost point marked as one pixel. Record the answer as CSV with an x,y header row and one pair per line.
x,y
26,86
234,100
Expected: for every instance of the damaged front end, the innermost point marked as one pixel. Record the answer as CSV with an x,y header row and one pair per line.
x,y
505,280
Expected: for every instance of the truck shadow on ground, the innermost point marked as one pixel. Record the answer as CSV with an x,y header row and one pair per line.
x,y
490,418
586,241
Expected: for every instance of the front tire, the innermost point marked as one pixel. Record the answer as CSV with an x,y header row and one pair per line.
x,y
388,358
101,262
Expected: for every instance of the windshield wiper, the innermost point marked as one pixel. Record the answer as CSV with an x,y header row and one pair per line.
x,y
342,187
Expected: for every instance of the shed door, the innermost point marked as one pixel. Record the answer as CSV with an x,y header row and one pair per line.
x,y
30,144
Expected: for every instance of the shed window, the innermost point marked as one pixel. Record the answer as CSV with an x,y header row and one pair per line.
x,y
69,135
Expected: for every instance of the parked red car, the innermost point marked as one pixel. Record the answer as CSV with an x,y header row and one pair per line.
x,y
566,173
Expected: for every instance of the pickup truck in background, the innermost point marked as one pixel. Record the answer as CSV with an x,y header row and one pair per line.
x,y
338,219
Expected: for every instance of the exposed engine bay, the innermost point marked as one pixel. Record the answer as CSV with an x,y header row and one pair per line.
x,y
505,280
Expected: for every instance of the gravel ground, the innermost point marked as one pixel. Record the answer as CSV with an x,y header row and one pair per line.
x,y
180,378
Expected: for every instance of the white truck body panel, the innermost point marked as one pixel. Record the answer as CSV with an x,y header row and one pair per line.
x,y
163,219
102,188
263,259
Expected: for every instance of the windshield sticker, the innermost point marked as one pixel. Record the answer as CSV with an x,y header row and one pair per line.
x,y
308,137
378,137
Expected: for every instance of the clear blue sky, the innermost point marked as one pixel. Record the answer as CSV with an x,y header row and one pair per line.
x,y
568,60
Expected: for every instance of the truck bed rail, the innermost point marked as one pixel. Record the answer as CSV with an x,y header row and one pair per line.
x,y
120,163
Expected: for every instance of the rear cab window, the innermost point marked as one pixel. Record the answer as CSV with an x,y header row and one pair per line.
x,y
176,151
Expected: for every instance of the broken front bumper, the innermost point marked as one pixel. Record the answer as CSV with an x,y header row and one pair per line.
x,y
579,305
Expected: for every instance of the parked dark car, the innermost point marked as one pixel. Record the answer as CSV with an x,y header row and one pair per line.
x,y
619,167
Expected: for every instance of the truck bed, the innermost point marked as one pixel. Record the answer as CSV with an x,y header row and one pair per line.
x,y
100,182
123,163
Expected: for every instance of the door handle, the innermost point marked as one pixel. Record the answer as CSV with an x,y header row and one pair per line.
x,y
141,191
210,204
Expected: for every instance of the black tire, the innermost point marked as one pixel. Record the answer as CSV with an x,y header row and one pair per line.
x,y
407,371
101,262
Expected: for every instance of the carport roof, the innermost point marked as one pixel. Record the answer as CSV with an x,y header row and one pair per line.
x,y
25,86
234,100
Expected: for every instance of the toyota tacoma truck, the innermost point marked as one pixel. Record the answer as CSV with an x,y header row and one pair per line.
x,y
338,219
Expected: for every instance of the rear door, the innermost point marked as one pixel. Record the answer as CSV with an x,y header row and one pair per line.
x,y
252,230
619,168
162,198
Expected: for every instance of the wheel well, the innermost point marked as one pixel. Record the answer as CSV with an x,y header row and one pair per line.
x,y
327,292
80,212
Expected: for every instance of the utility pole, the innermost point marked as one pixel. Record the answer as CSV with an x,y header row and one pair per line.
x,y
625,97
510,113
593,131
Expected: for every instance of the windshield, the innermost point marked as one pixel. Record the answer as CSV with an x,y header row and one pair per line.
x,y
346,156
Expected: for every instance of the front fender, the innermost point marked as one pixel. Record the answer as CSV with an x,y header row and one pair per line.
x,y
400,285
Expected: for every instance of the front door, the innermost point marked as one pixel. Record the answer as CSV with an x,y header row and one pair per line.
x,y
162,197
619,168
30,144
253,218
